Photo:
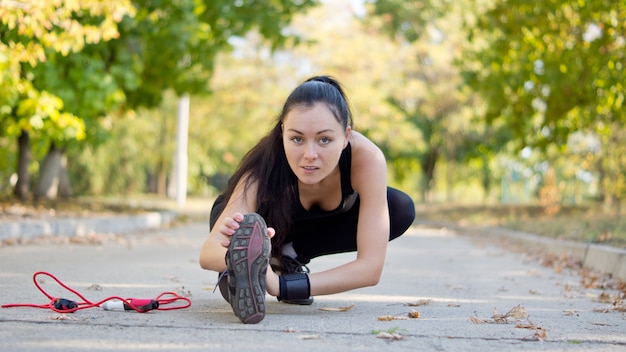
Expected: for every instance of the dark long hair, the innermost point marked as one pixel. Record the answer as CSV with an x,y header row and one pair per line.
x,y
266,163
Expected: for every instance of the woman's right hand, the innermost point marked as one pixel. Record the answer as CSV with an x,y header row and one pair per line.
x,y
231,224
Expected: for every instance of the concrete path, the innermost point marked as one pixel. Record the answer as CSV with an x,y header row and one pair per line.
x,y
451,280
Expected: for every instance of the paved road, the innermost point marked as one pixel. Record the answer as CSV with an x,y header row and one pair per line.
x,y
457,281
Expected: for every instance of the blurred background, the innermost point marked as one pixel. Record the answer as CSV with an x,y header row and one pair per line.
x,y
489,111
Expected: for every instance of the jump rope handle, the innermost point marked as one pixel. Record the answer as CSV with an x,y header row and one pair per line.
x,y
141,305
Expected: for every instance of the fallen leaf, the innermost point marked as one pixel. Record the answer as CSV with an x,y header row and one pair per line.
x,y
601,324
605,297
570,312
498,318
540,334
453,305
337,309
309,337
421,302
517,312
290,329
414,314
602,310
476,320
62,317
455,287
389,336
391,317
619,306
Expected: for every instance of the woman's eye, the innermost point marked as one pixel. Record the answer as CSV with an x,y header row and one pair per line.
x,y
324,140
297,140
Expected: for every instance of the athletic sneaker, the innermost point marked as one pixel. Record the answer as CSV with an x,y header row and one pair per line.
x,y
288,265
246,261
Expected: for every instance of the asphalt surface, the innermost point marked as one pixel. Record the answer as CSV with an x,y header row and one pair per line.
x,y
453,281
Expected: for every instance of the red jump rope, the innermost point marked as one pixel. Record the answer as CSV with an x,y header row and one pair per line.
x,y
140,305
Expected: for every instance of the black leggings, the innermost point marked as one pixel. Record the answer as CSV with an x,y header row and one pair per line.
x,y
337,233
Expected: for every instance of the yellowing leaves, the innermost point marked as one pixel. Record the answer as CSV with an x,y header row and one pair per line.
x,y
516,314
41,112
51,24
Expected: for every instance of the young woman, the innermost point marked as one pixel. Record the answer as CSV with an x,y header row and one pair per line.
x,y
321,188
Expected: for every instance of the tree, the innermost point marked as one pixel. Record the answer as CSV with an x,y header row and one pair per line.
x,y
169,44
430,98
549,69
29,30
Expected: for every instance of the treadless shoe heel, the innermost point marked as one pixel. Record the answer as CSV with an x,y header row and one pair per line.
x,y
246,261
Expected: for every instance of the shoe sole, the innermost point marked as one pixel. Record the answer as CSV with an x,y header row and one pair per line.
x,y
247,260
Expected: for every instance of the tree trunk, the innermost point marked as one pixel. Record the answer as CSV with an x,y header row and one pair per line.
x,y
428,170
65,186
22,187
486,178
49,174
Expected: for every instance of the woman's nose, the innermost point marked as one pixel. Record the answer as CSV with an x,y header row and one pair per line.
x,y
310,152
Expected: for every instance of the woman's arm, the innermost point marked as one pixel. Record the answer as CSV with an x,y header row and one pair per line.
x,y
214,247
369,179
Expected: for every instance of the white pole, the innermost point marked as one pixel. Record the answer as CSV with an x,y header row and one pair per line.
x,y
182,135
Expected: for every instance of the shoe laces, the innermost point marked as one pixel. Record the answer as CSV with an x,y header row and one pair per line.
x,y
292,265
221,277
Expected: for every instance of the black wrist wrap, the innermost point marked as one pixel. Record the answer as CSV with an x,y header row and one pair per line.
x,y
294,286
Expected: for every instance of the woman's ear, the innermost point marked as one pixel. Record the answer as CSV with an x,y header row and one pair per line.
x,y
347,136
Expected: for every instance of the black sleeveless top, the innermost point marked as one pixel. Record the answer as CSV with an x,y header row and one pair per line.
x,y
348,195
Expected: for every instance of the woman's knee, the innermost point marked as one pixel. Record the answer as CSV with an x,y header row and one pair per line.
x,y
401,211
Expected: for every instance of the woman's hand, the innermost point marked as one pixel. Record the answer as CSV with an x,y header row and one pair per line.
x,y
231,224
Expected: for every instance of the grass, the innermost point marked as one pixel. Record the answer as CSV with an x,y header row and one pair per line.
x,y
580,224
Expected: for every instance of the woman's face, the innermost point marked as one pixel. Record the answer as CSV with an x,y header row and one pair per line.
x,y
313,141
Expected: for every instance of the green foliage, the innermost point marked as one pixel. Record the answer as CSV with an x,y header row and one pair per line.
x,y
408,19
86,61
33,30
547,69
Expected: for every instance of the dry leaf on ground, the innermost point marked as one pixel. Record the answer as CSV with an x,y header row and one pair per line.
x,y
414,314
410,315
337,309
389,336
602,310
392,317
516,313
619,306
601,324
540,333
605,297
421,302
477,320
309,337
